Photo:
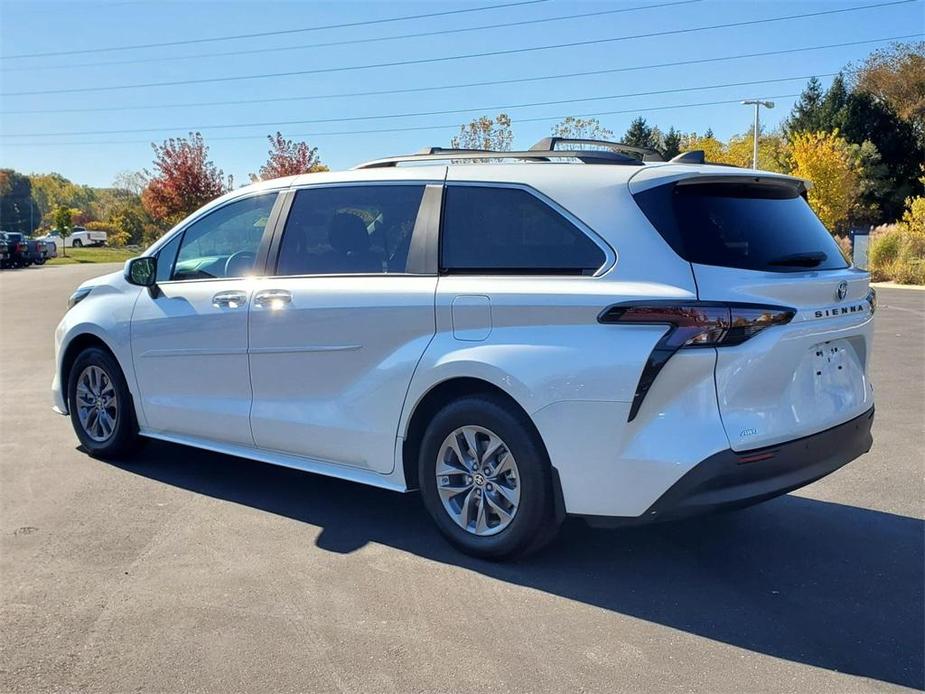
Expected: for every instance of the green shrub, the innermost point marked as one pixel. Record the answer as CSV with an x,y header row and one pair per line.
x,y
909,272
897,254
883,251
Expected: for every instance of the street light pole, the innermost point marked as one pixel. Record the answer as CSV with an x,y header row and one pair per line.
x,y
757,103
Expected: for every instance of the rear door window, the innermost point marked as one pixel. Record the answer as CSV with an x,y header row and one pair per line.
x,y
496,230
742,225
357,229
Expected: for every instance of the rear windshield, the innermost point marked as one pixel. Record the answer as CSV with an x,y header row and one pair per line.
x,y
750,226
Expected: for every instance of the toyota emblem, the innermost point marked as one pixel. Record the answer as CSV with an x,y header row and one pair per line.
x,y
842,290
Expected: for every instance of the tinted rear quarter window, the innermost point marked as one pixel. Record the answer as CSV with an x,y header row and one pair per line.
x,y
500,230
741,225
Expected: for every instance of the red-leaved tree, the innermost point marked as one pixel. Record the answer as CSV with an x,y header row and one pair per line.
x,y
288,158
183,181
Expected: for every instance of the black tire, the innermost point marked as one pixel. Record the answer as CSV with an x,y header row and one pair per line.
x,y
535,522
124,435
40,261
77,243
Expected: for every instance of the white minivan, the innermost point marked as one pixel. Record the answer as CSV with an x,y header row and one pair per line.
x,y
518,335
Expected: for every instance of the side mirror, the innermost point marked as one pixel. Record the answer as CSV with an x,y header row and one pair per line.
x,y
141,271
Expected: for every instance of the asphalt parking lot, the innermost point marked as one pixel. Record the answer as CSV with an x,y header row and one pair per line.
x,y
182,570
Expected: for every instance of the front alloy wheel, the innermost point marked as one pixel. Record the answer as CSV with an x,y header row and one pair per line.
x,y
97,403
100,404
478,480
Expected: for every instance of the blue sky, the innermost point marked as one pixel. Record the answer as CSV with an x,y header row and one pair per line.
x,y
164,111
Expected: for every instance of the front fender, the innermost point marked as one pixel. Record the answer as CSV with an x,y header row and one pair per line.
x,y
106,316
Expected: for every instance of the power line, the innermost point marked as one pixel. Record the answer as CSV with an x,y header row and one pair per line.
x,y
445,126
484,54
385,116
440,87
281,32
348,42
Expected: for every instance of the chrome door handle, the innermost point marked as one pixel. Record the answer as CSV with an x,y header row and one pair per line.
x,y
272,298
229,299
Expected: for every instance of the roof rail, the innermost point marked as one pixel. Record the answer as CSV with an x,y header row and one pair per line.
x,y
641,153
444,154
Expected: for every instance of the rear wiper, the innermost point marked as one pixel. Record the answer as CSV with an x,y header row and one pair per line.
x,y
800,259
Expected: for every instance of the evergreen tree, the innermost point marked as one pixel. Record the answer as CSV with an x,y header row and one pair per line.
x,y
806,114
835,101
861,118
671,143
640,134
864,118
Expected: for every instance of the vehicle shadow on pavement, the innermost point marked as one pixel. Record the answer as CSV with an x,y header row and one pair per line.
x,y
829,585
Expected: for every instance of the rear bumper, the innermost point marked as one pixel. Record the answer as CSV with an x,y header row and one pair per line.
x,y
731,480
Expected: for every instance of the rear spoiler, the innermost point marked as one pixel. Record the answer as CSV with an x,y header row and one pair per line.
x,y
653,176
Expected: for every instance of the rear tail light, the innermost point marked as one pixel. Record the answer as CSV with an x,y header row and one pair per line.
x,y
872,300
692,324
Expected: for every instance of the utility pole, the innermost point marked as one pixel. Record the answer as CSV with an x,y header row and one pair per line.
x,y
757,103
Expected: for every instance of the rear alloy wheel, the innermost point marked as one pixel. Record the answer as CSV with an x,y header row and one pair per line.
x,y
100,405
486,479
478,480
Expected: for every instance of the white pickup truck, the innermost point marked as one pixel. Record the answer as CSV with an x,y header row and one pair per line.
x,y
79,237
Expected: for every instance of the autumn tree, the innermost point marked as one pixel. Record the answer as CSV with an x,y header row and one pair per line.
x,y
581,129
896,75
63,220
54,190
861,117
830,163
485,133
713,150
914,215
288,158
184,179
773,151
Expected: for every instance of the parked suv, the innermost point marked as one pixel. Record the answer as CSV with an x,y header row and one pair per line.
x,y
19,252
550,332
